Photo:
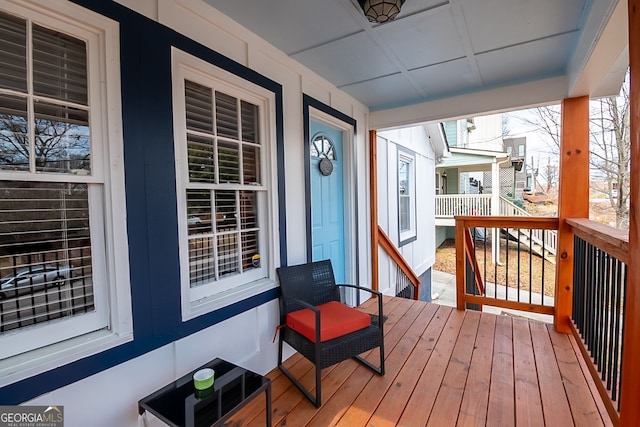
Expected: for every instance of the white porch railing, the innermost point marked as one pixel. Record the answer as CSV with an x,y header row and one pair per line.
x,y
450,205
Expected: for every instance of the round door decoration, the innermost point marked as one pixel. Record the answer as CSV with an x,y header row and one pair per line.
x,y
326,167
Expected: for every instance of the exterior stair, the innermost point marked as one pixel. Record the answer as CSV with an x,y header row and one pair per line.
x,y
535,239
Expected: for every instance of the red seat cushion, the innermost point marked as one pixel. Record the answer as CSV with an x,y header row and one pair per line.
x,y
336,320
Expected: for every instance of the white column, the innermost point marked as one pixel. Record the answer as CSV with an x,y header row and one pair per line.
x,y
495,210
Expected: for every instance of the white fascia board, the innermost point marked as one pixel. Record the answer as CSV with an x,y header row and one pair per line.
x,y
507,98
471,160
487,153
437,139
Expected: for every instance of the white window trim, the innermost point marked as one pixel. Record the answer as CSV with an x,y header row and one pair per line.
x,y
411,233
196,302
106,126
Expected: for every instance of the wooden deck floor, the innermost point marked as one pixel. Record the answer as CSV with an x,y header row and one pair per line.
x,y
445,367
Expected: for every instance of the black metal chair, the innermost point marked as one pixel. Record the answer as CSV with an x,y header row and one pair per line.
x,y
309,286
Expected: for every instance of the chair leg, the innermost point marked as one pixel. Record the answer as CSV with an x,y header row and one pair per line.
x,y
374,368
313,399
381,354
316,400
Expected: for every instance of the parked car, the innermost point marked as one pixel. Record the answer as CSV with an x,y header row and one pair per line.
x,y
27,280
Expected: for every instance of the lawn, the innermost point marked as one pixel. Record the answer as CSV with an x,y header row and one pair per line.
x,y
529,273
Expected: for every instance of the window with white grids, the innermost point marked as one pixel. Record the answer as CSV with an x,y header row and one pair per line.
x,y
55,230
406,197
221,129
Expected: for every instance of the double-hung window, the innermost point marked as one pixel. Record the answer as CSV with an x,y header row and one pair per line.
x,y
221,125
56,195
406,197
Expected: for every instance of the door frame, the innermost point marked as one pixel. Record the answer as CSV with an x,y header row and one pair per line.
x,y
320,112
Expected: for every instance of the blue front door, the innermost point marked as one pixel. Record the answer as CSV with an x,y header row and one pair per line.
x,y
327,202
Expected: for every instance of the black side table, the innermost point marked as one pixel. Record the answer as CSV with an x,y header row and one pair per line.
x,y
180,404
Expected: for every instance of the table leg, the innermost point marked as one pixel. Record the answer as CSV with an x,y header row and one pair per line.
x,y
268,393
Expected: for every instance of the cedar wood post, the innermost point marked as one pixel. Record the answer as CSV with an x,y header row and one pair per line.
x,y
573,199
461,267
373,189
630,391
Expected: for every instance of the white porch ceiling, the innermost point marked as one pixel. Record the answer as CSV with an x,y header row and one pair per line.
x,y
439,49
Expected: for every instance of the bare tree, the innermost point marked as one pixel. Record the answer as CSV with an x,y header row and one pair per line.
x,y
611,150
60,142
546,120
609,146
551,175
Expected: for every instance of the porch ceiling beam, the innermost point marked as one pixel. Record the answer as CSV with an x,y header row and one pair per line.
x,y
506,98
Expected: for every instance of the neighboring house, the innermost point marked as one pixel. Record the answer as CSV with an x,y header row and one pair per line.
x,y
487,133
600,189
406,204
520,178
487,176
477,162
465,195
457,132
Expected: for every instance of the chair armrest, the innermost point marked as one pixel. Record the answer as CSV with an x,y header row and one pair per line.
x,y
361,288
300,302
378,294
304,304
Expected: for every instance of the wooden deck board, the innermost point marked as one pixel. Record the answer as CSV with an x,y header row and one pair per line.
x,y
527,399
473,411
451,391
423,398
501,410
390,408
444,367
581,401
554,402
606,419
366,403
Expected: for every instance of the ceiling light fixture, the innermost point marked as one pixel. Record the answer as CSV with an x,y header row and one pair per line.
x,y
381,11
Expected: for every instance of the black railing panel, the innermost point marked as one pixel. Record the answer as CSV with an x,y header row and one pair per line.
x,y
521,273
598,307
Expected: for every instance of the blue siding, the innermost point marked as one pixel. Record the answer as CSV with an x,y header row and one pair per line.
x,y
441,235
425,286
451,132
452,181
145,49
